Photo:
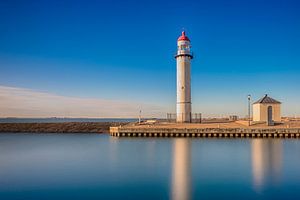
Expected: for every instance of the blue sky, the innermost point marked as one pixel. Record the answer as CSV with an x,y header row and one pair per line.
x,y
123,51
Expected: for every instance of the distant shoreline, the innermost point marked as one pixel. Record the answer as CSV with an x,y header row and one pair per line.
x,y
60,127
62,119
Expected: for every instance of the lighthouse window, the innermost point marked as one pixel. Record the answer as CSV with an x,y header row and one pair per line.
x,y
184,47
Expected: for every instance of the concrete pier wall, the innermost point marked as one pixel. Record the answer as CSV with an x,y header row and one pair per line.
x,y
206,132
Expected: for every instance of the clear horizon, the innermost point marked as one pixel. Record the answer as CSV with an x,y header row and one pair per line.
x,y
113,58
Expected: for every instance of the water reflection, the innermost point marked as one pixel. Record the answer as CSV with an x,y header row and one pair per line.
x,y
181,169
266,162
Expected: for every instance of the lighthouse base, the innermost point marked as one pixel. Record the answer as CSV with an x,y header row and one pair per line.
x,y
184,118
184,114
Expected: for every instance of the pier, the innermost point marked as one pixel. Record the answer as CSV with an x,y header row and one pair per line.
x,y
232,130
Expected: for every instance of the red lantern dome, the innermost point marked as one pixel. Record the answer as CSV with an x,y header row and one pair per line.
x,y
183,37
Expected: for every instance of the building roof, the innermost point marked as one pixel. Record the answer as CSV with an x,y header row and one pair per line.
x,y
266,99
183,37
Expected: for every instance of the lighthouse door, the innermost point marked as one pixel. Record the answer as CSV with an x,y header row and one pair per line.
x,y
270,116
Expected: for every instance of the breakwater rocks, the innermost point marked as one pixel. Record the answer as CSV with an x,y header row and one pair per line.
x,y
64,127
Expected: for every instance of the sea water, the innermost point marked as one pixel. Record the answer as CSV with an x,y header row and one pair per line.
x,y
97,166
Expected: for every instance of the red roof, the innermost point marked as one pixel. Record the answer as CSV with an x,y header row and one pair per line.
x,y
183,37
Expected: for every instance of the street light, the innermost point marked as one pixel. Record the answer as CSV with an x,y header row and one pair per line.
x,y
140,116
249,109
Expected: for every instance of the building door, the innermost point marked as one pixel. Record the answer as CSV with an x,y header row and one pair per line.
x,y
270,116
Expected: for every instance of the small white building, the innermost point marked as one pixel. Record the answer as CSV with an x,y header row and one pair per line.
x,y
267,110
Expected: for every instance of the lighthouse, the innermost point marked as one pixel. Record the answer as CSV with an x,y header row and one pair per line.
x,y
183,62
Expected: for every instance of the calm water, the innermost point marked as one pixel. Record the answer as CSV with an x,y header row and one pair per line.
x,y
79,166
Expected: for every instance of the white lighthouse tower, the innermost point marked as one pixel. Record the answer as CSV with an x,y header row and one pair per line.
x,y
183,59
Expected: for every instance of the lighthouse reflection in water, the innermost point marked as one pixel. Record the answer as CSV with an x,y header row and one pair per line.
x,y
181,177
266,166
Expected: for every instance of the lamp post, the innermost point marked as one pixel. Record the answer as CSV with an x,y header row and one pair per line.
x,y
249,109
140,116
